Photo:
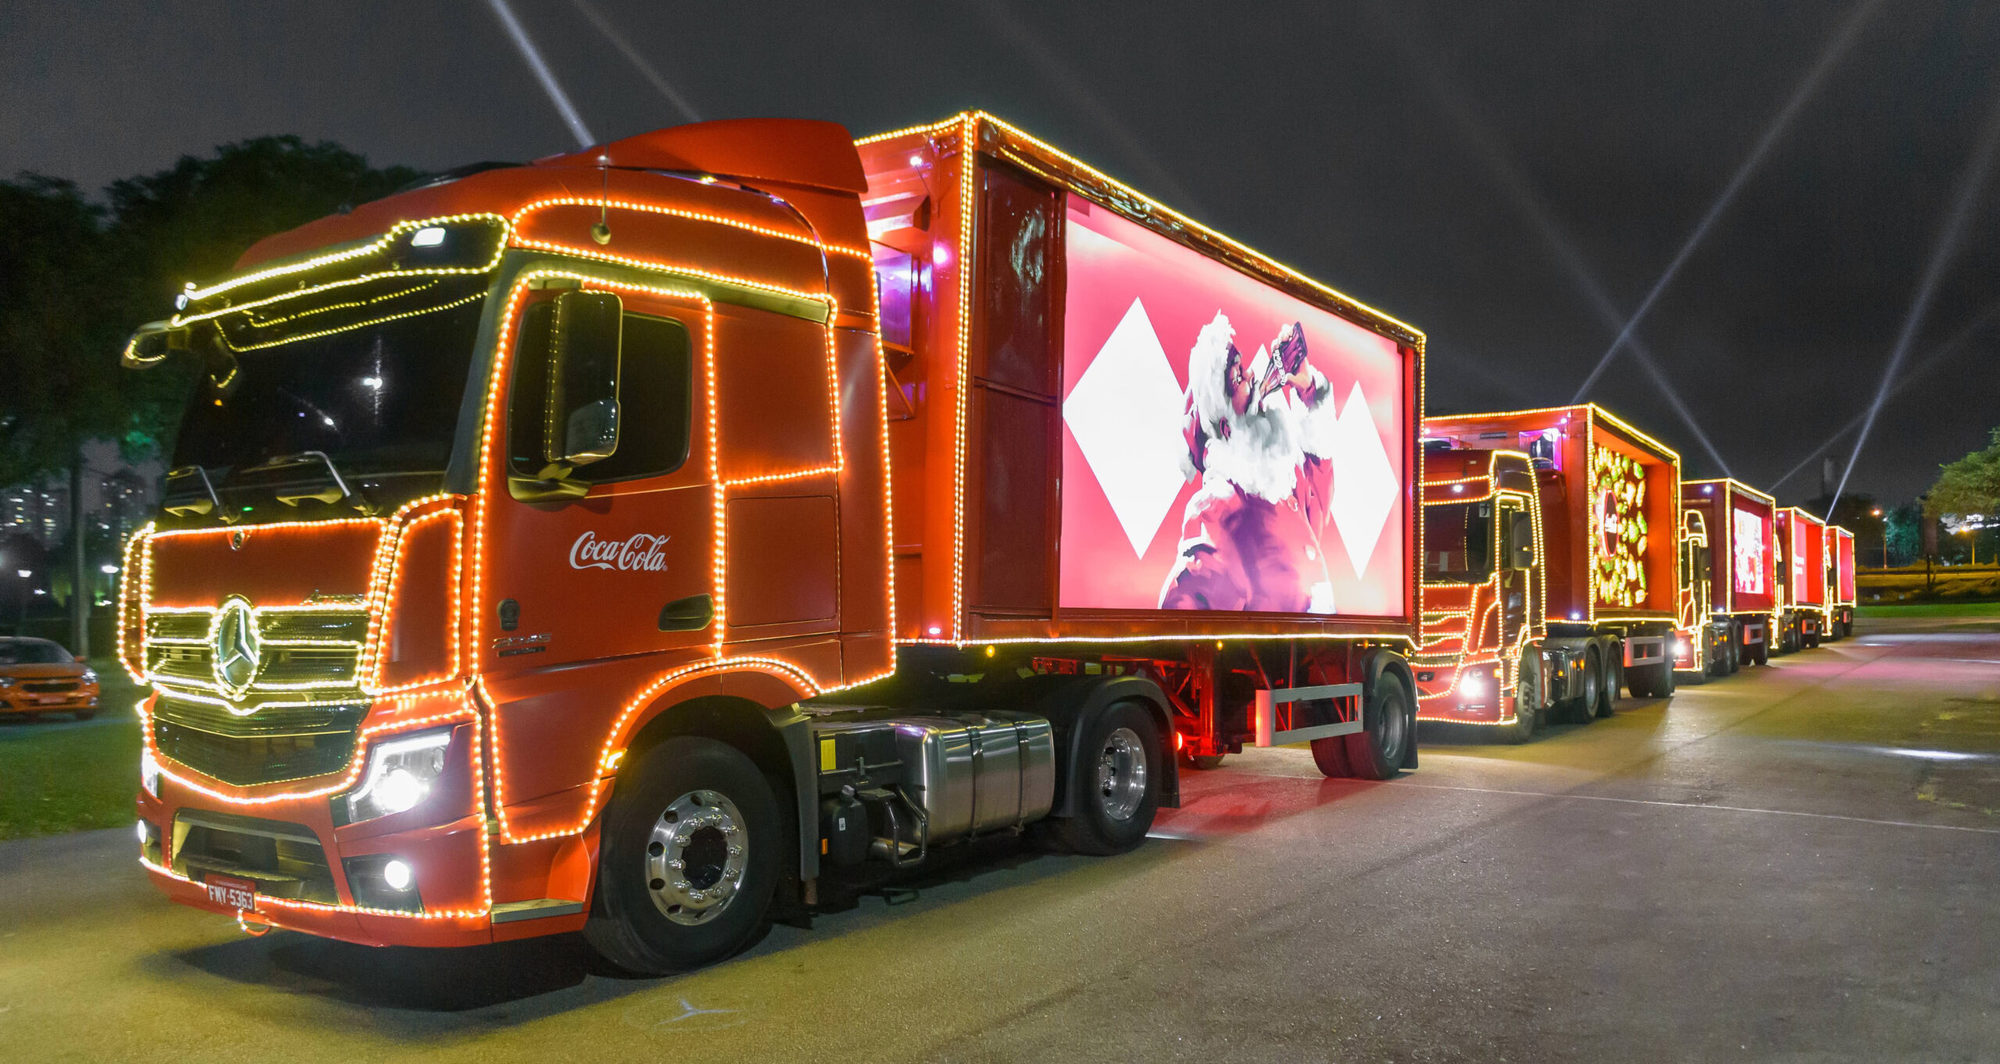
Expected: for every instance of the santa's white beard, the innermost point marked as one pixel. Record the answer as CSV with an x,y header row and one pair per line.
x,y
1261,454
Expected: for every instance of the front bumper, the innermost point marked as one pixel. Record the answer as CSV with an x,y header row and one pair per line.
x,y
322,877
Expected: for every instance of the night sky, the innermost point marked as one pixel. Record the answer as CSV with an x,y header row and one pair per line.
x,y
1510,177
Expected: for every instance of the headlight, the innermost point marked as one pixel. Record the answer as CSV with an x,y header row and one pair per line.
x,y
90,676
400,775
149,773
1471,686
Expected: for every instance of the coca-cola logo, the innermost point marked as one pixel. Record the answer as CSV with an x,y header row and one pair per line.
x,y
641,553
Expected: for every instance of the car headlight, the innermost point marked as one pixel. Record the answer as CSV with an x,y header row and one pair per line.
x,y
90,676
149,773
400,775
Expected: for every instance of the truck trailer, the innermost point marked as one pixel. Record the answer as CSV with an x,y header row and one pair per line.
x,y
1839,582
1802,594
1740,571
649,540
1552,572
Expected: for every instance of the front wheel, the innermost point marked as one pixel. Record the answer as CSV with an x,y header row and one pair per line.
x,y
692,845
1527,701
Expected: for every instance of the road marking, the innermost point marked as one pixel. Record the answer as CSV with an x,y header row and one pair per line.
x,y
1700,805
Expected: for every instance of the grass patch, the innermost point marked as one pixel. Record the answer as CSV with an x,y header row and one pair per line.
x,y
1931,609
67,779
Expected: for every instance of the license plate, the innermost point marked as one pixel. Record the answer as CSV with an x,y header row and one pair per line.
x,y
233,892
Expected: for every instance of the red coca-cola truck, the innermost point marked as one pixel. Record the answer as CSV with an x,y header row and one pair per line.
x,y
1739,569
1552,566
1839,582
1802,584
644,540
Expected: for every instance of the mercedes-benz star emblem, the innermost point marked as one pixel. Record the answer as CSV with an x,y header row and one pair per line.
x,y
239,648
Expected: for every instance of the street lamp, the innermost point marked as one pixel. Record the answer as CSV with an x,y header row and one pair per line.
x,y
1877,512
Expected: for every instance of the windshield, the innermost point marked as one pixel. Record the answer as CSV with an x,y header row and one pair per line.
x,y
1458,540
32,652
370,374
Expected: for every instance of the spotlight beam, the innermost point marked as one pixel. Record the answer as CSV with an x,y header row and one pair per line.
x,y
1938,357
1506,172
646,69
526,45
1970,182
1842,39
1002,19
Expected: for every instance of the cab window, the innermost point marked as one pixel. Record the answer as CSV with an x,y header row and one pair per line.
x,y
1458,539
655,399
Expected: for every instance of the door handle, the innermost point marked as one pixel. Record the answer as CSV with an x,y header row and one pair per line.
x,y
690,614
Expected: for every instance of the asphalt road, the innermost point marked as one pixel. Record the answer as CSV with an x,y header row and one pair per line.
x,y
1800,863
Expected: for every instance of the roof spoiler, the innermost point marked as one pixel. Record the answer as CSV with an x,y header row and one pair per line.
x,y
787,151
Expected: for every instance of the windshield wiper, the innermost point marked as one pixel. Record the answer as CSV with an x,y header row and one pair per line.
x,y
336,492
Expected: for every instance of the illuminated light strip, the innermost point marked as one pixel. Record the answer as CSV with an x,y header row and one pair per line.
x,y
965,263
130,598
691,215
260,322
653,266
382,608
1739,486
302,338
1155,206
611,753
927,130
1209,637
381,243
772,478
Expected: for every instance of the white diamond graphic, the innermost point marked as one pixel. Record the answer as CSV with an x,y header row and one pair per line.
x,y
1126,415
1364,481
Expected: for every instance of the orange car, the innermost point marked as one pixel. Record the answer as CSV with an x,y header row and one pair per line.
x,y
37,676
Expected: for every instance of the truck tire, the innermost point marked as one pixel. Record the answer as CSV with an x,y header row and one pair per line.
x,y
1527,703
1761,654
1612,679
1652,681
1116,781
1581,708
1379,749
1732,656
703,806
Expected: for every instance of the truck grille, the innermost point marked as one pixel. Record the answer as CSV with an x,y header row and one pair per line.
x,y
284,860
277,743
307,694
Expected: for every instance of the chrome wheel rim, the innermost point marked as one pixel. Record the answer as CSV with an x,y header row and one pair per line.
x,y
1121,774
695,857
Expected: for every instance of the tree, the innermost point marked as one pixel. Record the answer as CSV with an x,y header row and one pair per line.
x,y
1969,486
79,278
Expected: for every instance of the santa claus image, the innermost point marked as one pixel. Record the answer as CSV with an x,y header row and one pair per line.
x,y
1258,432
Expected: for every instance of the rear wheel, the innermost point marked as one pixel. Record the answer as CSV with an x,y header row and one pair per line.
x,y
692,845
1612,679
1379,750
1582,706
1115,781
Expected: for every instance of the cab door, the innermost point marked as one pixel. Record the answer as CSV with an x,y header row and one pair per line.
x,y
585,601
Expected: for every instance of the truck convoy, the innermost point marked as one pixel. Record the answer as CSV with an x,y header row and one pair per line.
x,y
1552,573
638,540
658,540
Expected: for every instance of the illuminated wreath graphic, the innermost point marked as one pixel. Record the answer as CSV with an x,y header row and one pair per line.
x,y
1619,486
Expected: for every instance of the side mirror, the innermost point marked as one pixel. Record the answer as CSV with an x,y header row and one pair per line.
x,y
582,407
1519,548
150,346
